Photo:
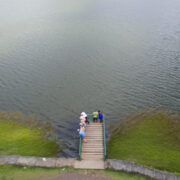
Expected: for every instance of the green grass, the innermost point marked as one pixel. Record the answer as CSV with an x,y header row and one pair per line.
x,y
20,137
10,172
124,176
150,138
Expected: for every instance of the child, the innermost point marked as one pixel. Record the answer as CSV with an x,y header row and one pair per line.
x,y
100,116
82,133
95,116
85,116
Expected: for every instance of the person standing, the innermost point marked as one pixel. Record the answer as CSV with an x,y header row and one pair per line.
x,y
100,116
95,116
85,116
82,133
82,120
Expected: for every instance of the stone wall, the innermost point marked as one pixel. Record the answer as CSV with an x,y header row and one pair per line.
x,y
120,165
37,161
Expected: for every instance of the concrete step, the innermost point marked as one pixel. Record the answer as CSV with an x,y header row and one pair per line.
x,y
89,164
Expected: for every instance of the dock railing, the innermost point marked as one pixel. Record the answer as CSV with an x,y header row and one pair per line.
x,y
104,135
90,119
80,148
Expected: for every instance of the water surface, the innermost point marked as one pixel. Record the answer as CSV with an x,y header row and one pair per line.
x,y
61,57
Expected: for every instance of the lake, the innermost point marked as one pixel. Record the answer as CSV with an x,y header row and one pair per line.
x,y
61,57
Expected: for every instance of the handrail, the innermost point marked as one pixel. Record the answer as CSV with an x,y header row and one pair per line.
x,y
80,147
104,134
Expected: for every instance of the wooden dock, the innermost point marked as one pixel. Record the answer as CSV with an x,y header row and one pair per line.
x,y
92,152
93,149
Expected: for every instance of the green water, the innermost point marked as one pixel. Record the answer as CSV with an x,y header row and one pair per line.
x,y
61,57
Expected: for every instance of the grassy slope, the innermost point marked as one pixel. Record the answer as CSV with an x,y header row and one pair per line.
x,y
149,138
22,139
10,172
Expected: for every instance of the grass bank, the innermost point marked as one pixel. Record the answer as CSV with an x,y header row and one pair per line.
x,y
25,135
9,172
151,138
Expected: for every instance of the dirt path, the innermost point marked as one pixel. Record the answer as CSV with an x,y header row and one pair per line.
x,y
77,176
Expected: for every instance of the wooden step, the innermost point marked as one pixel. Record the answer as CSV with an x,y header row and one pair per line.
x,y
91,153
89,131
92,156
93,130
93,147
95,134
94,138
91,136
92,150
91,141
94,141
92,123
98,147
92,127
98,126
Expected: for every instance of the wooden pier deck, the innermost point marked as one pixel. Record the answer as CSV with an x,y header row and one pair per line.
x,y
92,152
93,149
